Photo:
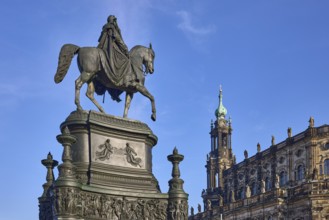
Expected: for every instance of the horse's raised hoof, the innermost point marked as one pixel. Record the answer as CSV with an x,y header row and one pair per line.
x,y
153,117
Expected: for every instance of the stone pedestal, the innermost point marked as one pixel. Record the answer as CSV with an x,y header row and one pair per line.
x,y
112,153
106,171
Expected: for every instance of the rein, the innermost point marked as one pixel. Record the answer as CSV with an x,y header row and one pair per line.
x,y
145,72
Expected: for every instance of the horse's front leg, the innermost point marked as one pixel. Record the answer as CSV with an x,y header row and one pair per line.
x,y
129,97
147,94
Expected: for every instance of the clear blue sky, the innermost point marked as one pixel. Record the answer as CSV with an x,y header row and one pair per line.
x,y
271,57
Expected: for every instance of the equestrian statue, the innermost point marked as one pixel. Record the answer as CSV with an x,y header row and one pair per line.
x,y
109,67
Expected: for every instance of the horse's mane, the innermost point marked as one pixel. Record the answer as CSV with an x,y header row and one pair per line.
x,y
136,48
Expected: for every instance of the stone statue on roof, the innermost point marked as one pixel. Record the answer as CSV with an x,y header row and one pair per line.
x,y
245,154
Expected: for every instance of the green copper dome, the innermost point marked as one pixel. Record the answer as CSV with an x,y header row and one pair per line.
x,y
221,110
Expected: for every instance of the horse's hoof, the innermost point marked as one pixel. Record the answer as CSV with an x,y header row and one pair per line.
x,y
153,117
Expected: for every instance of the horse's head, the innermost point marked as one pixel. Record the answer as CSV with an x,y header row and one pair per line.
x,y
140,56
148,60
143,55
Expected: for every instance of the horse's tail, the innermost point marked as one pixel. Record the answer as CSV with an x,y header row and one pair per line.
x,y
64,61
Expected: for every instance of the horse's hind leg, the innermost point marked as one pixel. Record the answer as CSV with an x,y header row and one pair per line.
x,y
84,77
78,85
90,94
129,97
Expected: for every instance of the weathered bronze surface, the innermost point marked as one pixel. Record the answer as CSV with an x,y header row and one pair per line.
x,y
116,152
106,169
109,67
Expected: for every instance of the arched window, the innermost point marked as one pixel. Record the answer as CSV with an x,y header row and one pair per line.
x,y
267,183
230,196
215,143
212,144
326,167
216,180
243,192
300,172
226,194
283,178
253,189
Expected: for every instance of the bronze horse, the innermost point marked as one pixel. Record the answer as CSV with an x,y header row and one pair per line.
x,y
94,70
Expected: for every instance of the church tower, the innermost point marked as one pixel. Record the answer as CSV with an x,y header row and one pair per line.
x,y
220,156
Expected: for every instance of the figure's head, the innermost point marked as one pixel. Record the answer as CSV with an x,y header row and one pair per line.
x,y
111,19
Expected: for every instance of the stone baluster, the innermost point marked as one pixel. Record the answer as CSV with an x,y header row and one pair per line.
x,y
45,205
50,164
177,202
66,169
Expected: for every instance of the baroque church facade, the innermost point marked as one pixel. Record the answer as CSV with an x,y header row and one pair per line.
x,y
288,180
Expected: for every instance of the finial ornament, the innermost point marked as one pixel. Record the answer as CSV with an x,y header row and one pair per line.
x,y
230,124
175,158
49,156
311,122
49,163
66,130
221,110
176,192
175,151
